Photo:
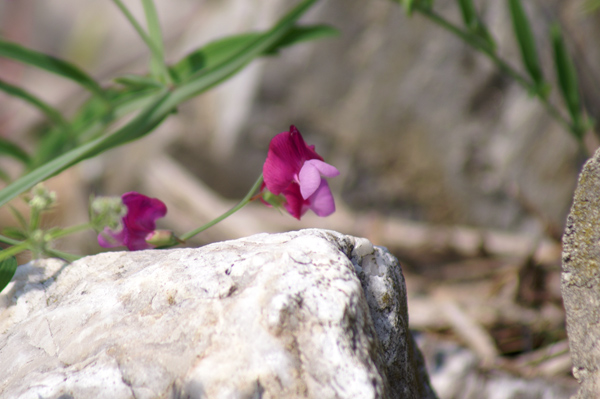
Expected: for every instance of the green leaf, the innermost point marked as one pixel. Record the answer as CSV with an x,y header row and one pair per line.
x,y
566,75
220,50
299,34
474,24
50,64
409,6
10,149
48,110
162,104
8,267
4,176
138,82
526,41
209,77
469,14
15,232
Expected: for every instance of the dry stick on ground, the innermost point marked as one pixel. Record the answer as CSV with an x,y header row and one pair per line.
x,y
166,179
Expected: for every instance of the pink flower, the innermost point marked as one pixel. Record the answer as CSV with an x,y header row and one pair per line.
x,y
137,224
295,170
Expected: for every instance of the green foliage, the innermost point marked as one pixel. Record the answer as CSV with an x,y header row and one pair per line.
x,y
474,24
51,64
526,41
477,35
24,95
93,128
8,267
567,80
218,51
86,137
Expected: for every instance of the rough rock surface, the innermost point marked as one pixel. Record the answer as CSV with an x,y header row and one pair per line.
x,y
311,314
581,279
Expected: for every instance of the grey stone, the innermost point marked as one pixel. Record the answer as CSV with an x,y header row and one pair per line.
x,y
311,314
581,279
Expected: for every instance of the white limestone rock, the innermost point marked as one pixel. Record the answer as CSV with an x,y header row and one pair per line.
x,y
311,314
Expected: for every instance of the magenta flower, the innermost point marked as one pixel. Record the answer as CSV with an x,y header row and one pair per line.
x,y
295,170
137,224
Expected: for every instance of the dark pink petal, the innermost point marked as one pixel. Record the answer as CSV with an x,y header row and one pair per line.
x,y
142,211
296,205
321,202
309,177
139,221
287,153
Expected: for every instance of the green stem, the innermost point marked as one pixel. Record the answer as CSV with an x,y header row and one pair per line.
x,y
8,252
70,230
480,45
230,212
62,255
156,51
10,241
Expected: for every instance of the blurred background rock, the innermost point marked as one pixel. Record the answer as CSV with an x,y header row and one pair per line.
x,y
425,131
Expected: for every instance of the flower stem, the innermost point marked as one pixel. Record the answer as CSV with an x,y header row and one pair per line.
x,y
62,255
10,241
8,252
70,230
245,201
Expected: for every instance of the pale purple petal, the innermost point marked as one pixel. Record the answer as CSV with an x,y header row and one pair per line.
x,y
309,177
109,238
321,202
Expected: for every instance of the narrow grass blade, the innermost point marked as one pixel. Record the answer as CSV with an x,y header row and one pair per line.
x,y
12,150
157,62
524,35
137,82
469,14
47,109
566,75
50,64
218,51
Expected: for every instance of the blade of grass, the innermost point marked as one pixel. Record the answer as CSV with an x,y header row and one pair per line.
x,y
209,77
50,64
157,63
10,149
526,41
154,49
220,50
48,110
567,79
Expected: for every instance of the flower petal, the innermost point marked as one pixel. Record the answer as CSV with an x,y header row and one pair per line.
x,y
142,212
295,205
287,153
310,176
109,238
321,202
